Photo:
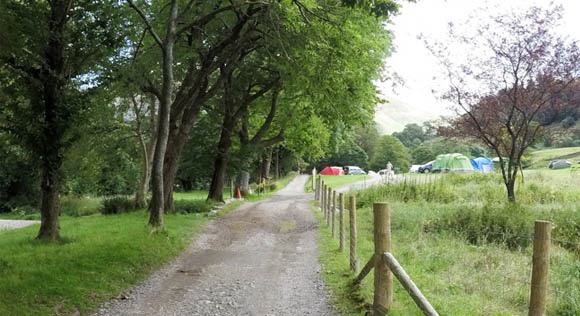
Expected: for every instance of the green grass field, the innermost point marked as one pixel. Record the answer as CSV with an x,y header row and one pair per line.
x,y
338,181
466,248
99,257
541,158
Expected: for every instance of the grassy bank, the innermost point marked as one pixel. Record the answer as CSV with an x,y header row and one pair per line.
x,y
467,250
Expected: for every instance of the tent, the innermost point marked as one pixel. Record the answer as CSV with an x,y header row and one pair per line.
x,y
559,164
482,164
332,171
452,162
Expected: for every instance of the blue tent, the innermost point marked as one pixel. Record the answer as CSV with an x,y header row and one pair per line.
x,y
482,164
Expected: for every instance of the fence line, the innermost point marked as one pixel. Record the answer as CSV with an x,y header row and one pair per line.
x,y
385,264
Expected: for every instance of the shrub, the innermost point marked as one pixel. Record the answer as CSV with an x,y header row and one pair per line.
x,y
117,205
273,185
506,224
25,210
192,206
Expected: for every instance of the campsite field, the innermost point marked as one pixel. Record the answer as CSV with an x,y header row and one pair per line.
x,y
467,249
338,181
539,159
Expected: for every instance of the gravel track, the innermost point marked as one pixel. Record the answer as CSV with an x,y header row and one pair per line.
x,y
260,259
15,223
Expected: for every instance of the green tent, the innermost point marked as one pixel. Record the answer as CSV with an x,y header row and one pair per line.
x,y
452,162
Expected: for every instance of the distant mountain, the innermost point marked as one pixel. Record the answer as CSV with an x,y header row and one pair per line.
x,y
394,115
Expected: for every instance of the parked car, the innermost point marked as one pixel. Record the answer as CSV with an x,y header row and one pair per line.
x,y
414,168
426,168
354,170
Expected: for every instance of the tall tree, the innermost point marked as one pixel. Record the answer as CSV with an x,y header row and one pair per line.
x,y
516,67
390,148
145,111
210,34
56,51
238,94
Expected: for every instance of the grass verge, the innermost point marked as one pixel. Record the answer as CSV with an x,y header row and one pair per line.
x,y
99,257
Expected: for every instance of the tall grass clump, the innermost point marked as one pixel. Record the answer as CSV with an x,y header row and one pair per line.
x,y
407,190
79,206
566,228
506,224
192,206
117,205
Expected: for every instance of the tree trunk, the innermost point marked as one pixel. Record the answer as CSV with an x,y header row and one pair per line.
x,y
147,151
218,179
176,143
221,162
49,208
143,188
278,162
157,200
243,181
52,131
266,162
510,186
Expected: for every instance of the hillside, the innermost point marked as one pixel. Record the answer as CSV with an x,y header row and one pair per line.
x,y
395,114
541,158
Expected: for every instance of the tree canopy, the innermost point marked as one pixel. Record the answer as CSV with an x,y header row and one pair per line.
x,y
516,67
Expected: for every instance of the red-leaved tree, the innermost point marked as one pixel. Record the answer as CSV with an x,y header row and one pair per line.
x,y
515,67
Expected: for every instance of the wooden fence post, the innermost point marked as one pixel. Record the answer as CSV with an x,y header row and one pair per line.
x,y
353,234
540,267
328,203
313,177
341,221
383,277
409,285
316,183
333,210
322,193
324,198
319,188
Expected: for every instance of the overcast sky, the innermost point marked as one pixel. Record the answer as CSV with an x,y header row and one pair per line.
x,y
418,68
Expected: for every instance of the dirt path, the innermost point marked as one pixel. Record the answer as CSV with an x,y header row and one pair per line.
x,y
260,259
15,223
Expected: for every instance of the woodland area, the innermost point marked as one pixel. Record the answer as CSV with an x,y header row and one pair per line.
x,y
108,97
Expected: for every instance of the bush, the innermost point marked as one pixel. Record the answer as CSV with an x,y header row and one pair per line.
x,y
192,206
117,205
504,224
273,186
25,210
